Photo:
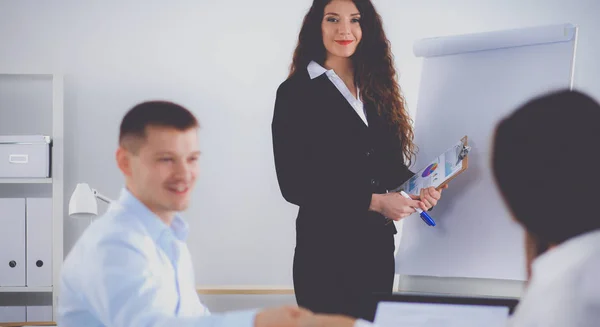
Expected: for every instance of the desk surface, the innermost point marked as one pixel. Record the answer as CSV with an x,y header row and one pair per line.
x,y
245,289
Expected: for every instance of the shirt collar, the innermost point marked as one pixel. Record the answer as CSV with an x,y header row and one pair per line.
x,y
315,70
150,220
571,253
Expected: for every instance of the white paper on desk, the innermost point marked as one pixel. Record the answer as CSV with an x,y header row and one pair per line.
x,y
395,314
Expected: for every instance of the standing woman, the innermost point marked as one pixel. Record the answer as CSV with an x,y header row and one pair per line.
x,y
341,139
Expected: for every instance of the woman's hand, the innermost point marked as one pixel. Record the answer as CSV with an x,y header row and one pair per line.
x,y
430,196
394,206
286,316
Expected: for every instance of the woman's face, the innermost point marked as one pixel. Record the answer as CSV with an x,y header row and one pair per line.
x,y
341,28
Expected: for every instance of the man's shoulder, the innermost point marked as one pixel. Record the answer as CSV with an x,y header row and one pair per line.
x,y
97,244
115,228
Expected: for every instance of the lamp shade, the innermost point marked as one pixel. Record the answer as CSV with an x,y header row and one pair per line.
x,y
83,202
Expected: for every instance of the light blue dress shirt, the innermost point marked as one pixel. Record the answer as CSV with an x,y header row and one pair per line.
x,y
131,269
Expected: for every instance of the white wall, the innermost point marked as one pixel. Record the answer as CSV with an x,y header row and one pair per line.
x,y
224,60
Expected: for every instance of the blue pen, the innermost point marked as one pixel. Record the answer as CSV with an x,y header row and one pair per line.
x,y
424,215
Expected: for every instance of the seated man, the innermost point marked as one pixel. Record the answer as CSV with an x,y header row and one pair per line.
x,y
545,157
132,267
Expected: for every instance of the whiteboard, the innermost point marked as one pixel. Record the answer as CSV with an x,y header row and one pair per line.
x,y
468,83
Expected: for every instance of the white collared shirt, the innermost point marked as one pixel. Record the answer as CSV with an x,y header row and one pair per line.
x,y
315,70
564,290
131,269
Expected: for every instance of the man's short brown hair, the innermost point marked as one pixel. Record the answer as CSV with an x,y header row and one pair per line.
x,y
153,113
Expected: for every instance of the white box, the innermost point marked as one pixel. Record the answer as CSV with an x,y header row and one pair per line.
x,y
41,313
12,242
39,242
24,156
12,314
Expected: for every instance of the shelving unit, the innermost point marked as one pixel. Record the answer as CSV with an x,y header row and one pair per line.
x,y
25,180
19,324
57,184
25,289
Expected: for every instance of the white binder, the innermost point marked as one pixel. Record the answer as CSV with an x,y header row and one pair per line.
x,y
12,242
39,242
41,313
12,314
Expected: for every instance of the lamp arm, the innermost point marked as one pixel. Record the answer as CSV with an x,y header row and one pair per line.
x,y
101,197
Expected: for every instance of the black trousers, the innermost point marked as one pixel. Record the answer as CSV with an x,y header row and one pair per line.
x,y
343,280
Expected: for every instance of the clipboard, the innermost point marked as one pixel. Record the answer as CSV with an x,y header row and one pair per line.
x,y
440,171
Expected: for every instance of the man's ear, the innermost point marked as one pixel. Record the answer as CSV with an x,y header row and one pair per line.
x,y
123,157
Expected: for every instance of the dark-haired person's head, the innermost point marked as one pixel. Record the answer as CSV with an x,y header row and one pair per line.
x,y
544,162
158,153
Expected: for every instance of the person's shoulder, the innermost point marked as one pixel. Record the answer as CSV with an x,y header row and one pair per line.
x,y
111,237
292,84
113,228
122,228
585,276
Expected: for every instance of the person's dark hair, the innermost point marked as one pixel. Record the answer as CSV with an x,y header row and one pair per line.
x,y
152,113
544,162
374,69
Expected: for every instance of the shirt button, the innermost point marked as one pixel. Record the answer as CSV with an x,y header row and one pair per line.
x,y
374,182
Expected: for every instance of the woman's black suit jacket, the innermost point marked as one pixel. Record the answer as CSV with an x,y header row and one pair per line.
x,y
329,163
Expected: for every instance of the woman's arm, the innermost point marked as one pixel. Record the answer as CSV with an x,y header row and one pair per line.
x,y
304,180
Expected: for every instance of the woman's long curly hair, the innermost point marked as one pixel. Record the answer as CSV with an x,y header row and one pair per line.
x,y
374,70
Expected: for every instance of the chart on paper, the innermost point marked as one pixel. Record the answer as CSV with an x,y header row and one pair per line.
x,y
437,172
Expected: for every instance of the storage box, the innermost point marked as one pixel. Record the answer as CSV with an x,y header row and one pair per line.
x,y
24,156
